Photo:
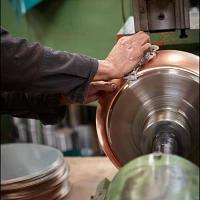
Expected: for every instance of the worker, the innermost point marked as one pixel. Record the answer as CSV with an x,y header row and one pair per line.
x,y
38,82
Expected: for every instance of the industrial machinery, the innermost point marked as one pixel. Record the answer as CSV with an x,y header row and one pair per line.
x,y
157,116
149,127
171,24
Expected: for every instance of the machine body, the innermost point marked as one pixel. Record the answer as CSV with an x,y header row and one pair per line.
x,y
156,176
171,24
157,114
165,15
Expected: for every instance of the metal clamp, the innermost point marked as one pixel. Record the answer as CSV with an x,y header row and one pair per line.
x,y
101,190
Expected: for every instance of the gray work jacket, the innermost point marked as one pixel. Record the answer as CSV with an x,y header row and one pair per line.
x,y
33,78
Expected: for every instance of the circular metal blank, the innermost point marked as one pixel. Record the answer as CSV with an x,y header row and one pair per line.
x,y
162,90
33,171
165,93
20,162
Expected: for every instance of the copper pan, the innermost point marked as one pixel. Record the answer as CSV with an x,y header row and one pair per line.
x,y
165,59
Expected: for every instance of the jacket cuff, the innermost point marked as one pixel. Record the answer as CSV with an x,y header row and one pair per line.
x,y
79,94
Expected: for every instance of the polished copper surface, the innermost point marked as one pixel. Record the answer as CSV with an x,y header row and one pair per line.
x,y
174,60
103,108
165,59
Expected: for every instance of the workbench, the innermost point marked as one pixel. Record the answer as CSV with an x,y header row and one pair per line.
x,y
86,173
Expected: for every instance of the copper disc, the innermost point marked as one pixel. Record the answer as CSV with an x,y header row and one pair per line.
x,y
168,84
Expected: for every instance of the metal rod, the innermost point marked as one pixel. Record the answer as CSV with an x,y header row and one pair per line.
x,y
165,142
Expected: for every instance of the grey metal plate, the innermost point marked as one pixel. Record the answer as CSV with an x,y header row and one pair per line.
x,y
21,162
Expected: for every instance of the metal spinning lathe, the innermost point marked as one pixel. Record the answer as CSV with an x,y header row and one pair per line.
x,y
150,128
32,171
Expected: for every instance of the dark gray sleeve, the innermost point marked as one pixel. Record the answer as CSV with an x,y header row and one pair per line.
x,y
35,106
32,68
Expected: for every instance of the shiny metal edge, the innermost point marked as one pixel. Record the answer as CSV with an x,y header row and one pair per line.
x,y
62,170
44,172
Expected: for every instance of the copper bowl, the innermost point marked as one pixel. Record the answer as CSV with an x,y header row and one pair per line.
x,y
173,62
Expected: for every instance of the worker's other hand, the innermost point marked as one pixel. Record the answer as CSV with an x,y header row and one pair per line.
x,y
124,57
93,92
96,87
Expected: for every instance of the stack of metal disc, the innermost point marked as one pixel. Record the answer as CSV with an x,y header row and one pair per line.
x,y
32,171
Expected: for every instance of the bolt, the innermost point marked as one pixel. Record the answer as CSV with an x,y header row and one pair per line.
x,y
161,16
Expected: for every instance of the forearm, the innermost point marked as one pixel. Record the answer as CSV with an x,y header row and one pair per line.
x,y
32,68
105,71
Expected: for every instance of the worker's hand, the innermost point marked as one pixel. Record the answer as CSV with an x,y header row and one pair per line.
x,y
127,53
124,56
93,92
96,87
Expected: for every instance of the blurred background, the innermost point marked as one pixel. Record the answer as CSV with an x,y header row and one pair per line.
x,y
88,27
